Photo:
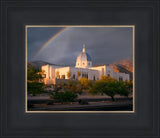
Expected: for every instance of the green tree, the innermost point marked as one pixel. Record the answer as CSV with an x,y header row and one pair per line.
x,y
129,86
35,88
33,73
73,86
85,83
110,87
33,77
122,89
104,87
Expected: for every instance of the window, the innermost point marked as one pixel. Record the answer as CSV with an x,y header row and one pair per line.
x,y
74,76
94,78
88,64
102,71
85,75
108,75
120,79
83,63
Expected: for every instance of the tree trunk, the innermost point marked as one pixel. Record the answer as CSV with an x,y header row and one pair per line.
x,y
112,98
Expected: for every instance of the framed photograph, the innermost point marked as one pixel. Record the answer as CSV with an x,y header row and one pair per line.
x,y
62,76
80,69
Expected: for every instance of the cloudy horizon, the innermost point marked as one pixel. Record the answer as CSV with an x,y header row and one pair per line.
x,y
105,45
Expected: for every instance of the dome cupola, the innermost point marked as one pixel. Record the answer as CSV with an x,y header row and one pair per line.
x,y
83,59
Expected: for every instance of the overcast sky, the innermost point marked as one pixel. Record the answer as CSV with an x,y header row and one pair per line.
x,y
105,45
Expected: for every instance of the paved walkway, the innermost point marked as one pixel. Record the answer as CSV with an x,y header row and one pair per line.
x,y
46,97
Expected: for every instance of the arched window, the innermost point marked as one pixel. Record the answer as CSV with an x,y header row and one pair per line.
x,y
74,76
94,78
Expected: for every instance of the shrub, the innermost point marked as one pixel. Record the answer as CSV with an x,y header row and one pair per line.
x,y
49,102
64,96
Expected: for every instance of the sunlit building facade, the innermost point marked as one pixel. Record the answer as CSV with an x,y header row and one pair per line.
x,y
83,68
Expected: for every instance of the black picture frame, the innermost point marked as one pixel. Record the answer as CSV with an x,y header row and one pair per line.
x,y
143,123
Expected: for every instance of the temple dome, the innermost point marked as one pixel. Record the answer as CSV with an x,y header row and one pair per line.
x,y
83,56
83,59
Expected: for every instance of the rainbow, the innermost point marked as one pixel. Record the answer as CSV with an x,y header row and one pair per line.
x,y
50,40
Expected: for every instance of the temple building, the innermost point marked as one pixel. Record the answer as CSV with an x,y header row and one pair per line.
x,y
83,68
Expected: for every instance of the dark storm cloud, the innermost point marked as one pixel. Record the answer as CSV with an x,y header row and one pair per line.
x,y
36,37
105,44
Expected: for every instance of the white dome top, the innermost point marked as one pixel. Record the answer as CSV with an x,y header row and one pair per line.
x,y
83,59
83,56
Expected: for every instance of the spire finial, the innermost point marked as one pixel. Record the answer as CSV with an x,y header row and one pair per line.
x,y
83,47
